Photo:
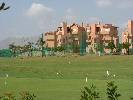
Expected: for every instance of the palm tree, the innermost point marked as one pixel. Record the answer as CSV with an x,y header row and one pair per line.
x,y
2,7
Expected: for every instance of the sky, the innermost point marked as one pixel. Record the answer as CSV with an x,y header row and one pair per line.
x,y
33,17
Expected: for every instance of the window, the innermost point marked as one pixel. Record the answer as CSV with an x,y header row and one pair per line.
x,y
74,30
106,44
89,37
89,43
97,29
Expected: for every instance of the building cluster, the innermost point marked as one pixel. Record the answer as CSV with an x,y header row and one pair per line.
x,y
89,36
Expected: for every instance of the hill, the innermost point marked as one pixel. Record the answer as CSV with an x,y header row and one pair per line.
x,y
17,40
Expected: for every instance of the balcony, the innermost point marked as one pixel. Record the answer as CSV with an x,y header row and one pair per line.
x,y
50,37
105,31
76,39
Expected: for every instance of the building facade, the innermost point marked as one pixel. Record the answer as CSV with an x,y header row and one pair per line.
x,y
127,35
99,35
50,39
88,37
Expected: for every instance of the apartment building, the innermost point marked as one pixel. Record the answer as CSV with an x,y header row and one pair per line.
x,y
74,36
50,39
127,35
75,32
80,36
60,33
64,35
54,39
99,35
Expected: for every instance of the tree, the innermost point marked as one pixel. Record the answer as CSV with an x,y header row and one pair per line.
x,y
126,46
119,48
5,53
100,47
89,93
2,7
20,49
111,46
61,48
112,93
13,49
29,48
40,43
75,48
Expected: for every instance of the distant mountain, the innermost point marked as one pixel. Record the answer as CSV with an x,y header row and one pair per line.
x,y
17,41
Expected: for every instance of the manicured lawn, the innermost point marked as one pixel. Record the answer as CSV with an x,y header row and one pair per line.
x,y
39,75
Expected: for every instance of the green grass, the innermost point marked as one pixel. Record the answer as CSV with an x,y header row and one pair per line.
x,y
38,75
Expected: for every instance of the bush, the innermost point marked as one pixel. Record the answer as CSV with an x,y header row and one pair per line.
x,y
89,93
25,95
5,53
7,96
112,93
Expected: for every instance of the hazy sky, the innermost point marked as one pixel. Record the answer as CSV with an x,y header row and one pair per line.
x,y
32,17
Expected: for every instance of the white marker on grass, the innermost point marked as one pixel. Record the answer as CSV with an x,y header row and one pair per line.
x,y
114,75
7,75
5,83
107,72
86,79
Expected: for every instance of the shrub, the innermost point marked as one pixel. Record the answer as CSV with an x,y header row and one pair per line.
x,y
7,96
89,93
112,93
25,95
